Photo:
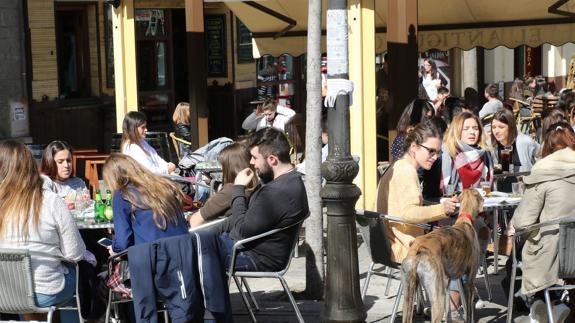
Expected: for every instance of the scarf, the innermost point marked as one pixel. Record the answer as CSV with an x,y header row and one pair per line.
x,y
470,166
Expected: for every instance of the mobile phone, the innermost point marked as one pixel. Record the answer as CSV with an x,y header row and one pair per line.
x,y
105,242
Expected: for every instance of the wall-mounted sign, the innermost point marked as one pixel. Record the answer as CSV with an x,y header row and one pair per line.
x,y
216,53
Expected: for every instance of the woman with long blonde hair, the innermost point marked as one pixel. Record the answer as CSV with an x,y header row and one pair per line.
x,y
466,160
181,118
146,206
233,159
37,220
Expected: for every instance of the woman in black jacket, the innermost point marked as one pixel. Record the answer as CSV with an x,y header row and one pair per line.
x,y
181,118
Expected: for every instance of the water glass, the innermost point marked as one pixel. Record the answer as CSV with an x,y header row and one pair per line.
x,y
79,202
449,190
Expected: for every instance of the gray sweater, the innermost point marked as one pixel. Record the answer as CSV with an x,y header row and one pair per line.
x,y
57,235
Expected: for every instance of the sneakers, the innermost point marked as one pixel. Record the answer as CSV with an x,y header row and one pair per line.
x,y
560,312
538,312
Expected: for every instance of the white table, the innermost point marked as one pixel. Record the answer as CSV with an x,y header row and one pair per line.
x,y
495,204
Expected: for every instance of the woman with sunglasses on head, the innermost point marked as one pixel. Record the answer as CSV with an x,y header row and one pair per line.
x,y
466,161
548,196
399,192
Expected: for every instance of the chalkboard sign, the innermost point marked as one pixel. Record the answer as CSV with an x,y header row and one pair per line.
x,y
244,41
215,32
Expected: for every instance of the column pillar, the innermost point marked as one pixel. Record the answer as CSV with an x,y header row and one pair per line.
x,y
197,72
363,112
125,76
403,58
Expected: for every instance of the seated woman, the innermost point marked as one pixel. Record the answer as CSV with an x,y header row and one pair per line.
x,y
134,128
548,196
465,161
399,192
233,159
56,169
523,149
146,207
415,112
181,118
37,219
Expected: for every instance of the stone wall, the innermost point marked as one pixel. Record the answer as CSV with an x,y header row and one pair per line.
x,y
13,97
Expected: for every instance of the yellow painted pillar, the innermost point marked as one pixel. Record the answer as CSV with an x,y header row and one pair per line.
x,y
125,78
362,112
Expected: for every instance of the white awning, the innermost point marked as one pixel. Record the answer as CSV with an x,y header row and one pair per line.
x,y
449,24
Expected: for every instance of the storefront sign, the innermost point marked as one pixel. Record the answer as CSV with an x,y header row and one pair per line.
x,y
216,53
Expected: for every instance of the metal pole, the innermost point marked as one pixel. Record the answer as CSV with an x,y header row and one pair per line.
x,y
342,295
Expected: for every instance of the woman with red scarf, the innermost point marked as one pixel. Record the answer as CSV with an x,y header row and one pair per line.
x,y
466,161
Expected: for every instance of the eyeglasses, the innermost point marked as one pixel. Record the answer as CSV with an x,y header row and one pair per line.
x,y
432,152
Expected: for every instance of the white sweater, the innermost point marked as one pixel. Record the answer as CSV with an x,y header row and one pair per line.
x,y
57,235
147,157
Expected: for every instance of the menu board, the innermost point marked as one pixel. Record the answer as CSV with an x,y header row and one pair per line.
x,y
215,33
244,41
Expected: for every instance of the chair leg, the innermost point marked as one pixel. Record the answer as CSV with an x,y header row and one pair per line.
x,y
108,306
367,279
549,306
389,270
396,303
245,299
292,300
511,287
249,290
50,314
463,297
166,315
486,278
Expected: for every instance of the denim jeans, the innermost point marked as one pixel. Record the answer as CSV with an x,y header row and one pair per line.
x,y
243,261
64,297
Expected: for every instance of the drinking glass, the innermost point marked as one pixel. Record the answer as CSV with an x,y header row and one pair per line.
x,y
505,158
449,190
517,188
486,187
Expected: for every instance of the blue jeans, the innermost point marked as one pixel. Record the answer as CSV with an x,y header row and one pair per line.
x,y
64,297
243,261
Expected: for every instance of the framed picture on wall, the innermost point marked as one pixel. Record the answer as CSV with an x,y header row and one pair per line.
x,y
216,51
244,43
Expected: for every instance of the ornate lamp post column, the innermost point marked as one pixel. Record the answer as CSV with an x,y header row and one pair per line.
x,y
342,296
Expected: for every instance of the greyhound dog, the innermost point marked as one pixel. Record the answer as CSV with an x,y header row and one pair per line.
x,y
442,255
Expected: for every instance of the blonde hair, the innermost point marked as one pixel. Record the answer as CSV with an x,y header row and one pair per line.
x,y
20,189
143,189
182,113
453,134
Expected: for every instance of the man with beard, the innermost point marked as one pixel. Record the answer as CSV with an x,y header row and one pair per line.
x,y
279,201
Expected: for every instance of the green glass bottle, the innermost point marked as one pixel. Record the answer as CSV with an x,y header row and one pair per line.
x,y
108,212
98,207
108,195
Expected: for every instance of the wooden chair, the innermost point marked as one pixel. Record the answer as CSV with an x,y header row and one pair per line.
x,y
177,142
81,153
91,170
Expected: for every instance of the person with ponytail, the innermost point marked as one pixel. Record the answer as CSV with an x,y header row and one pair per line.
x,y
399,192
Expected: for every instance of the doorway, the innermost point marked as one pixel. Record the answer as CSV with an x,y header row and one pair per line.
x,y
73,48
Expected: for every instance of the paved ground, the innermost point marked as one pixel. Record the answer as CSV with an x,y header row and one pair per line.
x,y
275,306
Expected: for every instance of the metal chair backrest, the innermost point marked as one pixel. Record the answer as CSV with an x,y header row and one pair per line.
x,y
158,140
16,283
566,255
373,231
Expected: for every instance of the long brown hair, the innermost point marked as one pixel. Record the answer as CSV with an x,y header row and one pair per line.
x,y
20,189
505,116
48,166
233,159
143,189
558,136
132,121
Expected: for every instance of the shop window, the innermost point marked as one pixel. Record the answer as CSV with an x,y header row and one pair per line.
x,y
276,79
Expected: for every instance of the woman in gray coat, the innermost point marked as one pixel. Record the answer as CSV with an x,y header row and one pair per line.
x,y
548,196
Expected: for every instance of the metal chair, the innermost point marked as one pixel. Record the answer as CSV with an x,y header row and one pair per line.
x,y
565,255
17,284
242,275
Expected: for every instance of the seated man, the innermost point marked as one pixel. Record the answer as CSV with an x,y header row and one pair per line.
x,y
280,201
268,114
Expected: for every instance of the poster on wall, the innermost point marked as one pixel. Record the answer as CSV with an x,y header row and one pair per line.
x,y
216,53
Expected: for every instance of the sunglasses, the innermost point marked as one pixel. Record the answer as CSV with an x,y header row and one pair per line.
x,y
432,152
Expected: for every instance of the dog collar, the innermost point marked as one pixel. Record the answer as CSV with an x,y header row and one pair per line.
x,y
467,216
